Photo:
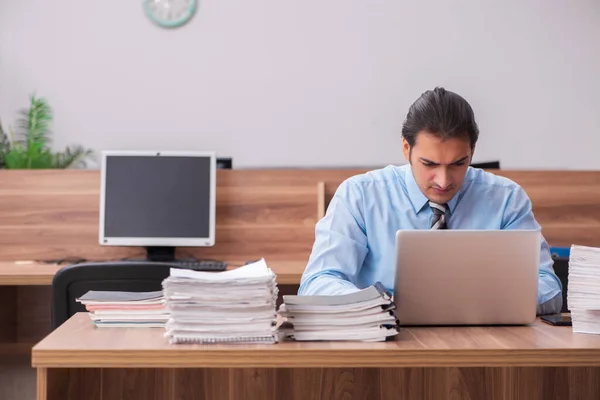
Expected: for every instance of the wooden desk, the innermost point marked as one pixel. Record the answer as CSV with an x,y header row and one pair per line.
x,y
13,274
25,298
25,313
531,362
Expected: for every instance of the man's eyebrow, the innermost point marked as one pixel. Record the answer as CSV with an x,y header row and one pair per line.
x,y
460,160
428,161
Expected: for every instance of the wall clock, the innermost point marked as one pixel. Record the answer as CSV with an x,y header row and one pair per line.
x,y
170,13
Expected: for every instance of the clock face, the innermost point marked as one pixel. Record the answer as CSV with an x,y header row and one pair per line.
x,y
170,13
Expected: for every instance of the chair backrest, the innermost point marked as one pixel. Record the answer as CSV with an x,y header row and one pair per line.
x,y
224,163
487,165
561,268
73,281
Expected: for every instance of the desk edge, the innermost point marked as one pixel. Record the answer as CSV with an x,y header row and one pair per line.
x,y
317,358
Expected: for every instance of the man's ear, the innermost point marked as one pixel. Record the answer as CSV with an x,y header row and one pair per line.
x,y
406,149
472,153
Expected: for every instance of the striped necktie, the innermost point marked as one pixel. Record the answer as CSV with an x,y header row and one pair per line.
x,y
439,216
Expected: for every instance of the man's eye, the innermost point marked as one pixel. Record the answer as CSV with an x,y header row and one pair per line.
x,y
429,165
459,164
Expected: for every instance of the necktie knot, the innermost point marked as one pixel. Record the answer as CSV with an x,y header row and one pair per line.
x,y
438,221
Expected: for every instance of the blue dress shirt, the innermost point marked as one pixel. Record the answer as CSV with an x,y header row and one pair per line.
x,y
355,241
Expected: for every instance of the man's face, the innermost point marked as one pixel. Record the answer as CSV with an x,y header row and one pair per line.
x,y
439,166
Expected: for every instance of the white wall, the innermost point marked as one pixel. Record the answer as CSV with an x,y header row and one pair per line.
x,y
309,83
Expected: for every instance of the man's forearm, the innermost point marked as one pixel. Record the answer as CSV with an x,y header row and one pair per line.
x,y
326,284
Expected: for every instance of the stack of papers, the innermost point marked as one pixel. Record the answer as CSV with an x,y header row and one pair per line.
x,y
365,315
583,292
125,309
235,306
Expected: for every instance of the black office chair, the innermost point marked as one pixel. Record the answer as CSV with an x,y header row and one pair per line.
x,y
561,268
74,281
487,165
224,163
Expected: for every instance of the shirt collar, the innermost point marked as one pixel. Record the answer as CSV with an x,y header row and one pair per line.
x,y
418,199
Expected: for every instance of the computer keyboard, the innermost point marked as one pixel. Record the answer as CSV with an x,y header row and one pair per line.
x,y
199,265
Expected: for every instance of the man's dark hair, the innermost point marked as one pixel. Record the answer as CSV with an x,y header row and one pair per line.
x,y
442,113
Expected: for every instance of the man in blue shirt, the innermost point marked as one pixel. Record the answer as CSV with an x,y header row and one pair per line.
x,y
355,241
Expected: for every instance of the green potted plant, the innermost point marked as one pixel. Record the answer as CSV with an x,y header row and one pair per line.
x,y
28,146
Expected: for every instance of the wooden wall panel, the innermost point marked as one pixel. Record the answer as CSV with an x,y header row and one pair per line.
x,y
258,383
200,384
53,214
49,215
8,316
34,320
24,318
330,384
290,242
57,382
565,203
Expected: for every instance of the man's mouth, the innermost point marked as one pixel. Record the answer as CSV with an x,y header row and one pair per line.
x,y
441,191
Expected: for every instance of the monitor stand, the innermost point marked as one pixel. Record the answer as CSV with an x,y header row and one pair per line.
x,y
163,254
166,254
160,253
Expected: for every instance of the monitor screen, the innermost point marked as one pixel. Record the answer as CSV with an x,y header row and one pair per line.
x,y
158,199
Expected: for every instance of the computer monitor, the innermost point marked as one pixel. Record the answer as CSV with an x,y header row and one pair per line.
x,y
158,199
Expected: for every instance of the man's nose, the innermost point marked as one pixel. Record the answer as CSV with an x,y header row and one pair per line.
x,y
442,178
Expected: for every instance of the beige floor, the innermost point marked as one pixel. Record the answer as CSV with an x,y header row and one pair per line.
x,y
17,379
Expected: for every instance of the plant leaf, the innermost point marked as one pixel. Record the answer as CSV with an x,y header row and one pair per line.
x,y
39,120
16,158
4,146
28,146
72,157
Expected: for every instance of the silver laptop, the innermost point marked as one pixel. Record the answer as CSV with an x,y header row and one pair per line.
x,y
466,277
